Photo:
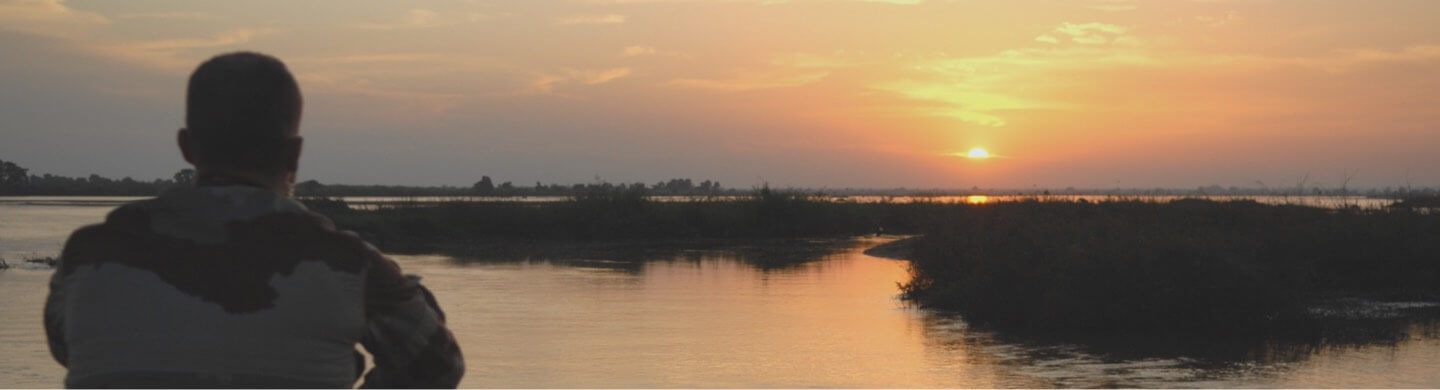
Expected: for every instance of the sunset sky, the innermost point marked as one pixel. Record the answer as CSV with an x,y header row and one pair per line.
x,y
814,93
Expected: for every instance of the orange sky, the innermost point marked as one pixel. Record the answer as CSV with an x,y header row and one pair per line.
x,y
821,93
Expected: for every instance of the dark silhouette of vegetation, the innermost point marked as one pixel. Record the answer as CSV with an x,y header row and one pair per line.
x,y
631,255
1192,266
487,187
13,176
1418,202
44,261
185,177
607,212
484,186
15,180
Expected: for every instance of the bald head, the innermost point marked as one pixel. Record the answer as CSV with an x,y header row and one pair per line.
x,y
242,112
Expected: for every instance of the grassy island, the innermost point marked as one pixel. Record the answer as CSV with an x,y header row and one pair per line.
x,y
1191,266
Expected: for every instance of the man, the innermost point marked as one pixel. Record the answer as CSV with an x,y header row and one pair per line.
x,y
231,283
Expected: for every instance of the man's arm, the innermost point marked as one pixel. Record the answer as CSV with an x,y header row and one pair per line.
x,y
406,333
55,302
55,318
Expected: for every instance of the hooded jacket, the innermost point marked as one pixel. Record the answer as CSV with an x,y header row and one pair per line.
x,y
236,286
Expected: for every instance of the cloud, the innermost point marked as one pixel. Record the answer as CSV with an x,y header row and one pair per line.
x,y
1080,29
399,101
1113,5
592,19
1088,33
365,59
170,54
46,17
749,81
421,18
808,60
781,71
168,16
984,90
546,83
1230,17
981,89
632,51
960,99
1349,60
228,38
596,77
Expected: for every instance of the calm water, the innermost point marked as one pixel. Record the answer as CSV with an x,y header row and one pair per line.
x,y
706,319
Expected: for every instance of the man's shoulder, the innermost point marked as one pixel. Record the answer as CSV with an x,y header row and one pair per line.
x,y
220,255
163,228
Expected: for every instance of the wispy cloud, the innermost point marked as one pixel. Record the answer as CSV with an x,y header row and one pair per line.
x,y
1090,32
228,38
1113,5
749,81
173,54
367,58
399,101
546,83
1230,17
422,18
46,17
591,19
810,60
415,18
632,51
1093,33
168,16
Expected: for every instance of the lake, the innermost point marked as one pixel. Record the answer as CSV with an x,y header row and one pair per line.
x,y
716,319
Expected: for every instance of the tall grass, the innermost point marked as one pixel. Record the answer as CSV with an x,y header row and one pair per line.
x,y
1189,265
605,212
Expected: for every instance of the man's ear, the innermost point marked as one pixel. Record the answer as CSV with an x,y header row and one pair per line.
x,y
183,138
292,153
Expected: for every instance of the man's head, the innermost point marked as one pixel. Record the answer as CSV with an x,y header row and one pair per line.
x,y
242,118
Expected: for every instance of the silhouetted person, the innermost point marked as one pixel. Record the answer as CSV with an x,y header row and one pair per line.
x,y
231,283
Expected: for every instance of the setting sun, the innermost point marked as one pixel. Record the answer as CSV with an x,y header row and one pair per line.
x,y
978,153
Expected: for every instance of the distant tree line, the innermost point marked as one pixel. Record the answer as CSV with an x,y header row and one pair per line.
x,y
487,187
17,180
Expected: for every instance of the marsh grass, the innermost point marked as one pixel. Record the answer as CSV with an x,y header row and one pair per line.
x,y
40,261
1189,266
619,213
764,255
1418,202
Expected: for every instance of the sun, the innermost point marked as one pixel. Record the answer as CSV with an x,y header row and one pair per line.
x,y
978,154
